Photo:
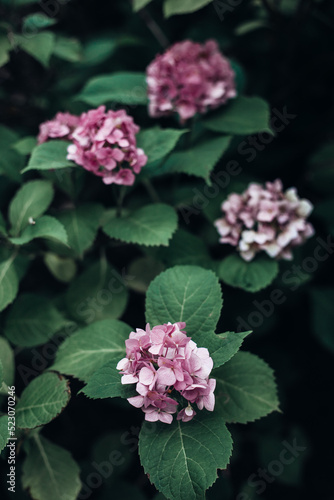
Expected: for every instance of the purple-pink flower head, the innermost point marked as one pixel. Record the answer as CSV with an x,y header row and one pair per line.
x,y
162,361
265,219
189,78
103,143
61,127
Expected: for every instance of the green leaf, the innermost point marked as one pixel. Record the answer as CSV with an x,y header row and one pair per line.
x,y
158,142
186,293
139,4
150,225
25,145
35,22
39,46
87,350
81,225
11,162
42,400
125,88
250,276
9,284
7,361
49,155
62,268
32,320
224,346
106,383
49,471
182,459
31,201
323,315
199,160
242,116
68,49
245,390
45,227
98,293
4,433
172,7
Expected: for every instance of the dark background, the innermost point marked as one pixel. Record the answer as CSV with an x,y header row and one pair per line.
x,y
288,61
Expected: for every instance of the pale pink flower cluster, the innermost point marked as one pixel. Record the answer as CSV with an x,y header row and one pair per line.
x,y
163,361
104,143
189,78
60,127
265,219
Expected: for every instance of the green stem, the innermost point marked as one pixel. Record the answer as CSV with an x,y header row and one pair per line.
x,y
151,190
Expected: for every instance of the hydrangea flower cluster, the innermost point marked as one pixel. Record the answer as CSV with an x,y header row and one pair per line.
x,y
162,360
60,127
189,78
265,219
104,143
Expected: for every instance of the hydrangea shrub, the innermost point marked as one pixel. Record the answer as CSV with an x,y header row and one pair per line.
x,y
124,186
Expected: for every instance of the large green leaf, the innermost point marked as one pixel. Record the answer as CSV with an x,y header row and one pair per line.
x,y
49,471
37,21
32,320
31,201
4,433
172,7
199,160
11,162
158,142
139,4
45,227
62,268
245,390
186,293
39,46
25,145
50,155
88,349
81,225
98,293
250,276
224,346
106,383
7,361
242,116
323,315
149,225
42,400
182,459
68,49
9,284
125,88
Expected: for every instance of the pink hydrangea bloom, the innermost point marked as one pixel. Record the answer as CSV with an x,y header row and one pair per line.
x,y
265,219
104,143
189,78
162,360
60,127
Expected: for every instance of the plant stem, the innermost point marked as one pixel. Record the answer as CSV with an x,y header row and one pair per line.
x,y
151,190
154,28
